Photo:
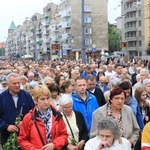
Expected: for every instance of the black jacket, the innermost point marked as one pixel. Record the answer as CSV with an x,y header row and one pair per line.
x,y
99,96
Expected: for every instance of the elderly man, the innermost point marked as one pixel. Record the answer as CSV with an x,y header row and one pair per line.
x,y
144,74
97,92
13,102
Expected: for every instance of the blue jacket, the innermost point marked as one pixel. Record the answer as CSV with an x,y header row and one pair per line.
x,y
136,110
8,111
86,107
84,74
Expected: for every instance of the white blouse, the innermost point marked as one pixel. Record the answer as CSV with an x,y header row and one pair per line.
x,y
75,130
93,143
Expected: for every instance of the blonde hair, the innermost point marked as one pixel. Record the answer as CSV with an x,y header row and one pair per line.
x,y
41,90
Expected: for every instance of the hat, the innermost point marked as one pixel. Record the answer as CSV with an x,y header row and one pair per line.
x,y
3,79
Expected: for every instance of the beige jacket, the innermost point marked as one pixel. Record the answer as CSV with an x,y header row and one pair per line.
x,y
130,126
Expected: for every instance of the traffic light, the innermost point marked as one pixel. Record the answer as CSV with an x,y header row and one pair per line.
x,y
123,44
55,46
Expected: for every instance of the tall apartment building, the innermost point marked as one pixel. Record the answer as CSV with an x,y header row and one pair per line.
x,y
60,25
136,27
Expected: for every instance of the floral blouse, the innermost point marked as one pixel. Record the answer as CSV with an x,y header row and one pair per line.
x,y
119,119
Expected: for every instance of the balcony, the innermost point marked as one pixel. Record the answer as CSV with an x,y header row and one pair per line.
x,y
66,25
64,36
130,29
54,28
131,39
65,13
130,19
54,39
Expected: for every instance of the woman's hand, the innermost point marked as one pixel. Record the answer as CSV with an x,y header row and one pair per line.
x,y
72,147
103,144
49,146
81,144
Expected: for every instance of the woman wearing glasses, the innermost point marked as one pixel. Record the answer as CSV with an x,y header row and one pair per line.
x,y
43,127
76,128
123,114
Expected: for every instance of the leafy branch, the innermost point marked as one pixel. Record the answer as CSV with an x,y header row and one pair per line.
x,y
12,142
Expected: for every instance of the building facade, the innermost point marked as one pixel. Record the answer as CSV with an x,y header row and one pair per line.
x,y
58,31
135,27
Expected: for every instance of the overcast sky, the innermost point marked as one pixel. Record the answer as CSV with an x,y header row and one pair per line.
x,y
18,10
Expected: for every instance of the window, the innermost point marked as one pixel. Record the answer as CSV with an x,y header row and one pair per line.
x,y
87,19
139,13
88,41
140,23
87,8
140,33
88,31
140,43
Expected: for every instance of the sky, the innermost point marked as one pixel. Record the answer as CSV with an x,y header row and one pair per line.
x,y
18,10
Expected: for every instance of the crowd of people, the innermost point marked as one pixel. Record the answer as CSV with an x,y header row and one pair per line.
x,y
73,106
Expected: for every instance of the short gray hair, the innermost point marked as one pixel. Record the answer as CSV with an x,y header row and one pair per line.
x,y
145,82
109,124
12,75
145,71
65,99
115,82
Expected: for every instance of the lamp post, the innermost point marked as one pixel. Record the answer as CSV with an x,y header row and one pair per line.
x,y
34,18
83,54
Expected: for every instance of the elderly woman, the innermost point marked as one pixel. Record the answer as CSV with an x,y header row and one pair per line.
x,y
76,127
116,109
113,83
43,127
108,137
102,84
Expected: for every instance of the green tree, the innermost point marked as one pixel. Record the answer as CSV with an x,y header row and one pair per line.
x,y
114,38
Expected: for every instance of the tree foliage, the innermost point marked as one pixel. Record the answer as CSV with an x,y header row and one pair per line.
x,y
114,38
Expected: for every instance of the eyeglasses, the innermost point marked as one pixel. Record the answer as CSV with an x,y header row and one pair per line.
x,y
67,108
102,82
119,98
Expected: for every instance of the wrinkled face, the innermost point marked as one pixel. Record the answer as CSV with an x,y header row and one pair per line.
x,y
76,74
106,135
117,101
91,84
143,96
43,102
143,76
67,109
81,86
14,85
147,88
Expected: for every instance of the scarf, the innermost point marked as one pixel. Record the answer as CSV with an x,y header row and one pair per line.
x,y
45,118
128,100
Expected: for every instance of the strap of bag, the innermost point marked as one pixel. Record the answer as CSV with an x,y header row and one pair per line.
x,y
69,125
39,132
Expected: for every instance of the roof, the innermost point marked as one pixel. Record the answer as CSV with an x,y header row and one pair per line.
x,y
12,26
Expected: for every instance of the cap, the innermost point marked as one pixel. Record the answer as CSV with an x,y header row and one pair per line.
x,y
3,79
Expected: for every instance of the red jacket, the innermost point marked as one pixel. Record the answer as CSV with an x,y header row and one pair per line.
x,y
29,138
